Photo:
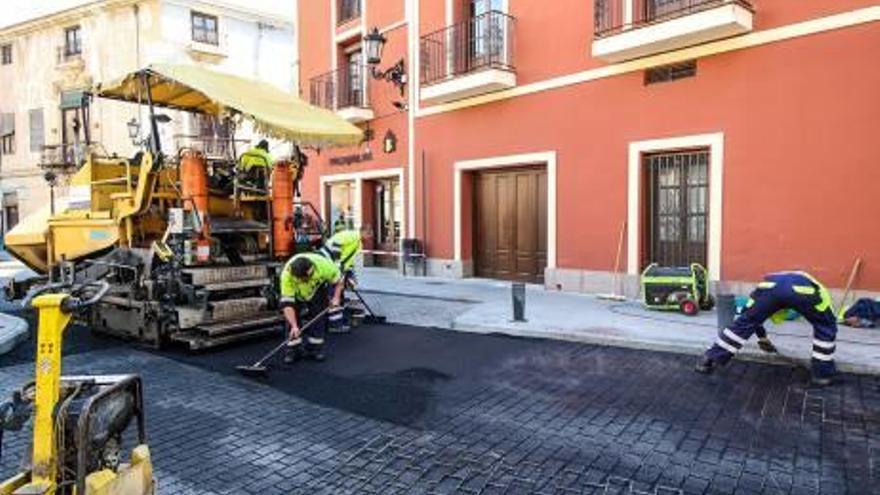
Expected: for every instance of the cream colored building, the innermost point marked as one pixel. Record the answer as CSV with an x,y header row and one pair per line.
x,y
47,60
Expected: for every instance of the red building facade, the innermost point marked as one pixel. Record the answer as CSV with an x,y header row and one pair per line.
x,y
553,142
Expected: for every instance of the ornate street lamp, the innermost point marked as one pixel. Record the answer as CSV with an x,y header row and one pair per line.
x,y
134,128
374,44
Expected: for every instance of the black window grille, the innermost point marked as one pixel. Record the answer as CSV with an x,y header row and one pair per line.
x,y
671,72
678,203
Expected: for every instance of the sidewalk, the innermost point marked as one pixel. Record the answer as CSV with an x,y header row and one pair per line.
x,y
484,306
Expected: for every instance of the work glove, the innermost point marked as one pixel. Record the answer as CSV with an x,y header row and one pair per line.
x,y
766,346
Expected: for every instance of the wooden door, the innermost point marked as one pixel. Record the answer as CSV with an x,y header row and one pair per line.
x,y
510,224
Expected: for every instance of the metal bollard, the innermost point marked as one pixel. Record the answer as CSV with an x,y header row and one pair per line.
x,y
726,304
518,291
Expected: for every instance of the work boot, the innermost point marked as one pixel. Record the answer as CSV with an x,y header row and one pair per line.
x,y
292,354
821,380
765,345
706,365
822,373
317,355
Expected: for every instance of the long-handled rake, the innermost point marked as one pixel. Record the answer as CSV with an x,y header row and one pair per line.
x,y
259,369
371,317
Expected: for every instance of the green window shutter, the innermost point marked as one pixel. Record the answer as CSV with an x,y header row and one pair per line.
x,y
71,99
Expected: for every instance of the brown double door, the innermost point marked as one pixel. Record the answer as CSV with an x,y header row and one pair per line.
x,y
510,224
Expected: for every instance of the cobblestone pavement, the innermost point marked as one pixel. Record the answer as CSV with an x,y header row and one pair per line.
x,y
410,410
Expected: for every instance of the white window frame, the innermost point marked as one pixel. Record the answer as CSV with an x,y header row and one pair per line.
x,y
637,149
546,158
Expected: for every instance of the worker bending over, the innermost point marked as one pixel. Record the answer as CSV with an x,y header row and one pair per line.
x,y
779,292
310,284
342,248
254,165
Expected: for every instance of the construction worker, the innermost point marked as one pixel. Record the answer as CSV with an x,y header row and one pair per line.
x,y
773,298
310,284
342,248
254,165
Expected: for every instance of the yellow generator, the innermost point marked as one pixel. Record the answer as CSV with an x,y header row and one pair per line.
x,y
190,248
80,422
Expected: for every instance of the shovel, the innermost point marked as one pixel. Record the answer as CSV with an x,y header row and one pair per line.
x,y
259,369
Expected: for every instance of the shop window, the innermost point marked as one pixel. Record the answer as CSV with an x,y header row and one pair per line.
x,y
340,206
389,213
204,28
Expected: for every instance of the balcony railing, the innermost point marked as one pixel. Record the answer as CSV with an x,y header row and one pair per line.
x,y
339,89
348,10
609,15
484,42
61,156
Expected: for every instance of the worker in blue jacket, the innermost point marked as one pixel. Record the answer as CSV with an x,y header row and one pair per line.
x,y
774,296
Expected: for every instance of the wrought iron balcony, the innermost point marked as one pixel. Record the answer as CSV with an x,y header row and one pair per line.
x,y
626,29
343,91
62,156
483,46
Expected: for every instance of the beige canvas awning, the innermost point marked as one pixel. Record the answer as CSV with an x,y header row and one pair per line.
x,y
274,112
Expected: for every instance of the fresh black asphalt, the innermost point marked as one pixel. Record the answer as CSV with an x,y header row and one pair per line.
x,y
399,409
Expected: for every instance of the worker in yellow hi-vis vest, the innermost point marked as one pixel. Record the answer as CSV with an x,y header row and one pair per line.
x,y
343,248
310,284
254,165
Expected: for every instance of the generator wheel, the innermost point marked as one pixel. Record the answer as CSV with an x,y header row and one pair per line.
x,y
689,307
709,303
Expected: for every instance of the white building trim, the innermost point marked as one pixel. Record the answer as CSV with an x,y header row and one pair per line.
x,y
352,33
715,143
548,158
414,83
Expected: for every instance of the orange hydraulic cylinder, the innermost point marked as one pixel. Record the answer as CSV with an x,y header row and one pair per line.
x,y
282,210
194,185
